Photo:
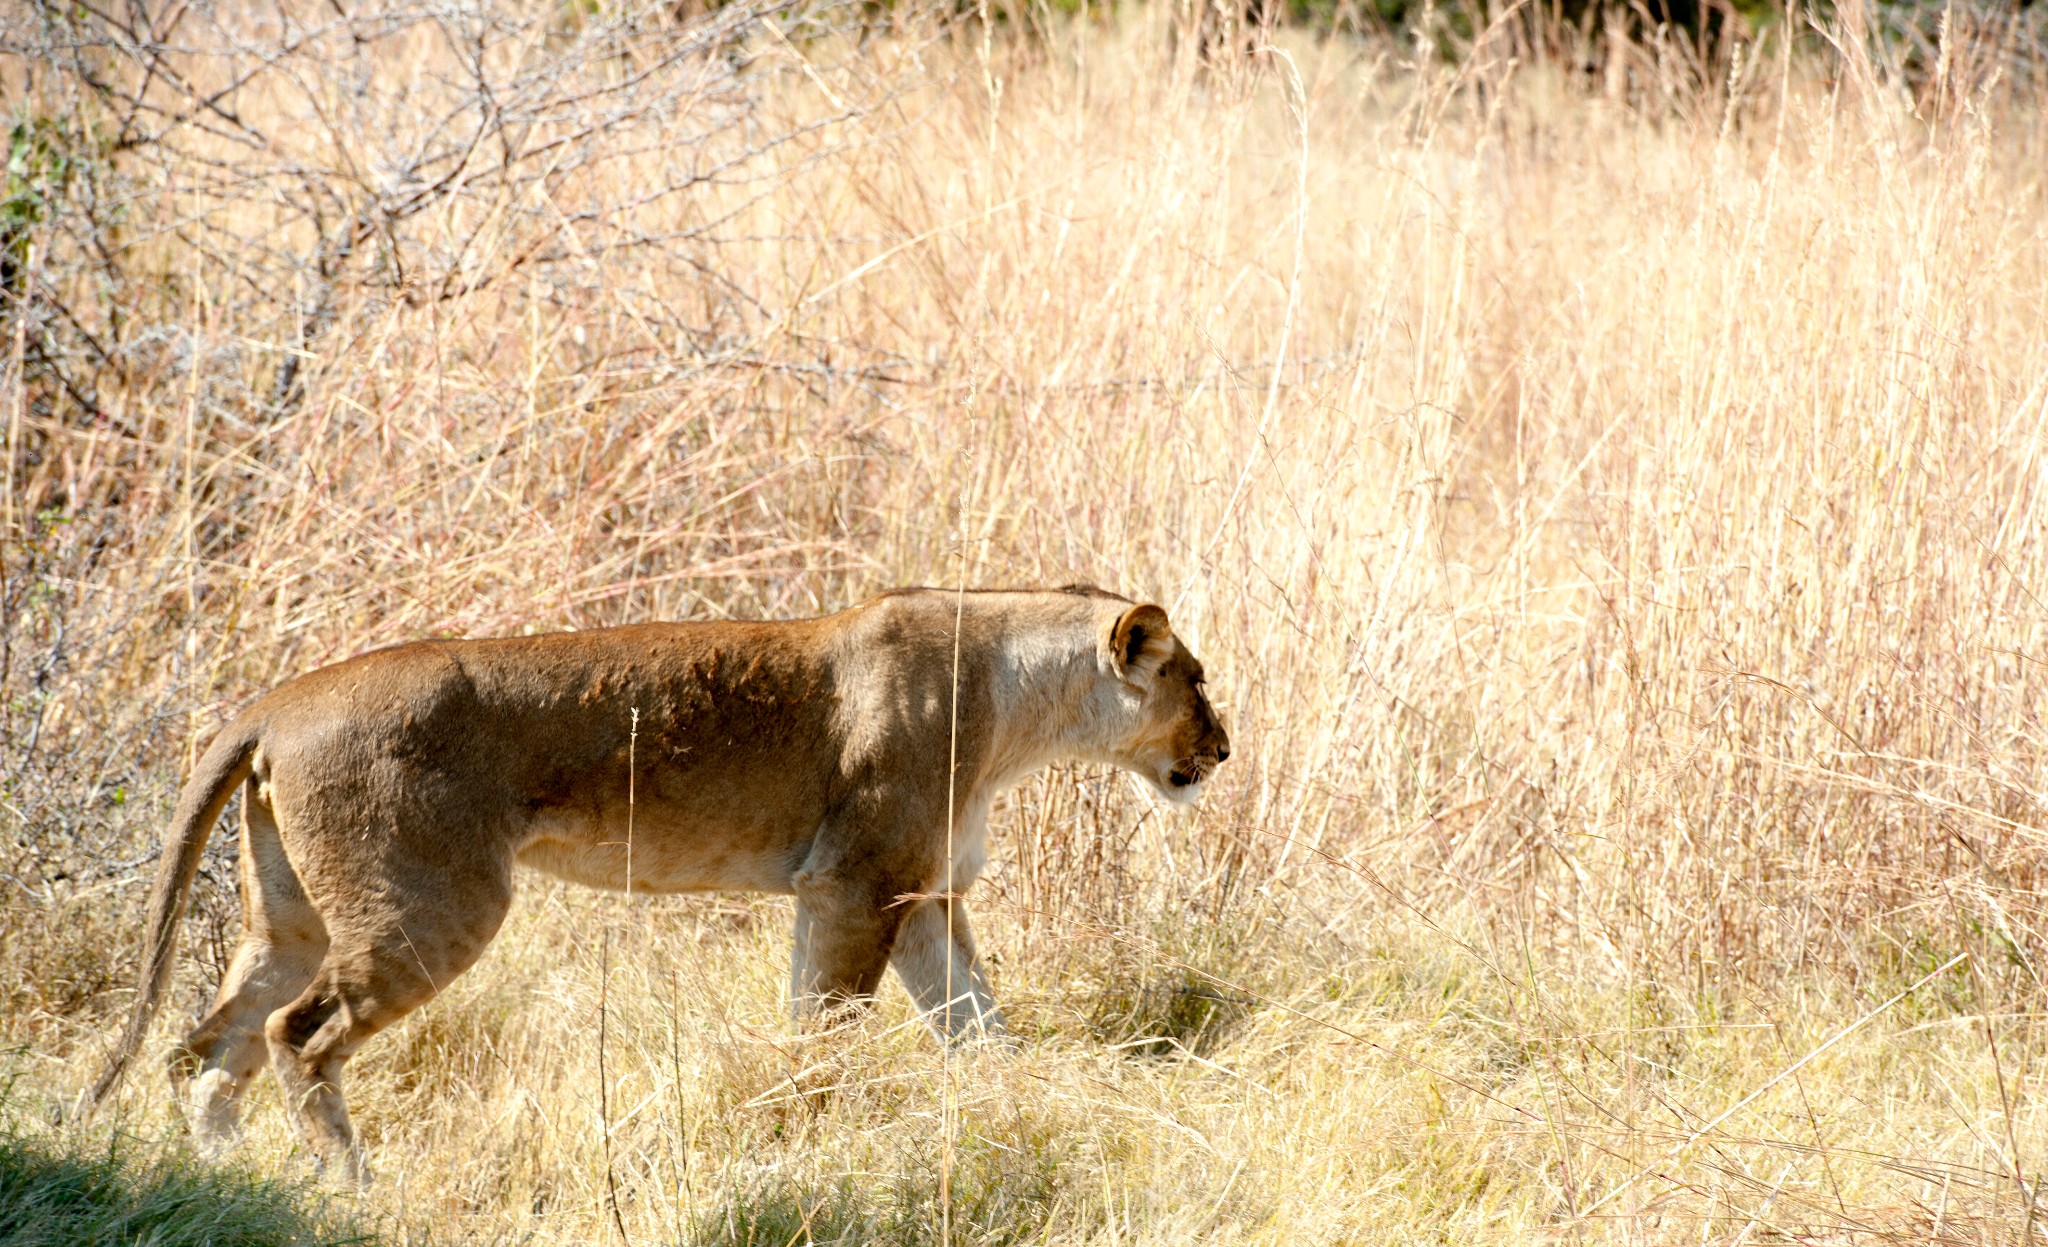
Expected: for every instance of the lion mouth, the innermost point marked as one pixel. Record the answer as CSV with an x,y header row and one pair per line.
x,y
1178,788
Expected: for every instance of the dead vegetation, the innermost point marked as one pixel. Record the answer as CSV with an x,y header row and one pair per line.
x,y
1611,513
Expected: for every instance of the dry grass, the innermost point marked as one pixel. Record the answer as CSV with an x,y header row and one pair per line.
x,y
1614,523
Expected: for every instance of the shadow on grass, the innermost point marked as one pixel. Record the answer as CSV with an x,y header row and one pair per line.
x,y
1183,999
1178,1011
54,1194
989,1202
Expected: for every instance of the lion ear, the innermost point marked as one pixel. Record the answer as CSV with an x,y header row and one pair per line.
x,y
1140,641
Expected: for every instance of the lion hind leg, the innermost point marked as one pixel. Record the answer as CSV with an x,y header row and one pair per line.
x,y
373,975
357,992
281,946
935,957
310,1040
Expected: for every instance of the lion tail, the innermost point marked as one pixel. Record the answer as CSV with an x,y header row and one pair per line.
x,y
227,762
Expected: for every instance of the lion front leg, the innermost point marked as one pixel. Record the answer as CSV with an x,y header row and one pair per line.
x,y
845,931
935,958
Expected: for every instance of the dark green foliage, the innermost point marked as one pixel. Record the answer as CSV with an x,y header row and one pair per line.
x,y
1574,28
1555,23
1692,16
39,165
127,1193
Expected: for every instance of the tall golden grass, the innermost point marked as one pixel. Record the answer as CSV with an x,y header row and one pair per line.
x,y
1611,514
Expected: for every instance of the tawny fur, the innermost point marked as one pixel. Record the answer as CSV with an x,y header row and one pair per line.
x,y
389,797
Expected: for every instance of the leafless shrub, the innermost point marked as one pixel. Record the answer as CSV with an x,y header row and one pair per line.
x,y
292,170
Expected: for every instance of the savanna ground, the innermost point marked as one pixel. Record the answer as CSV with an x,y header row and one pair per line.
x,y
1610,508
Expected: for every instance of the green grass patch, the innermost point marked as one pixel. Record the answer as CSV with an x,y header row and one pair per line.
x,y
124,1191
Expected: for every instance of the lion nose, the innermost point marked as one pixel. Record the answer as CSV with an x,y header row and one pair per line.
x,y
1222,753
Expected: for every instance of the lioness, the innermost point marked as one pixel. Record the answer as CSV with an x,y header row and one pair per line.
x,y
389,797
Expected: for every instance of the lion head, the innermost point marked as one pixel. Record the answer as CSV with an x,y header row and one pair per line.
x,y
1170,738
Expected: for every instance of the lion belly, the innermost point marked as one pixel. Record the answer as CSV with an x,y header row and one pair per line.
x,y
661,859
